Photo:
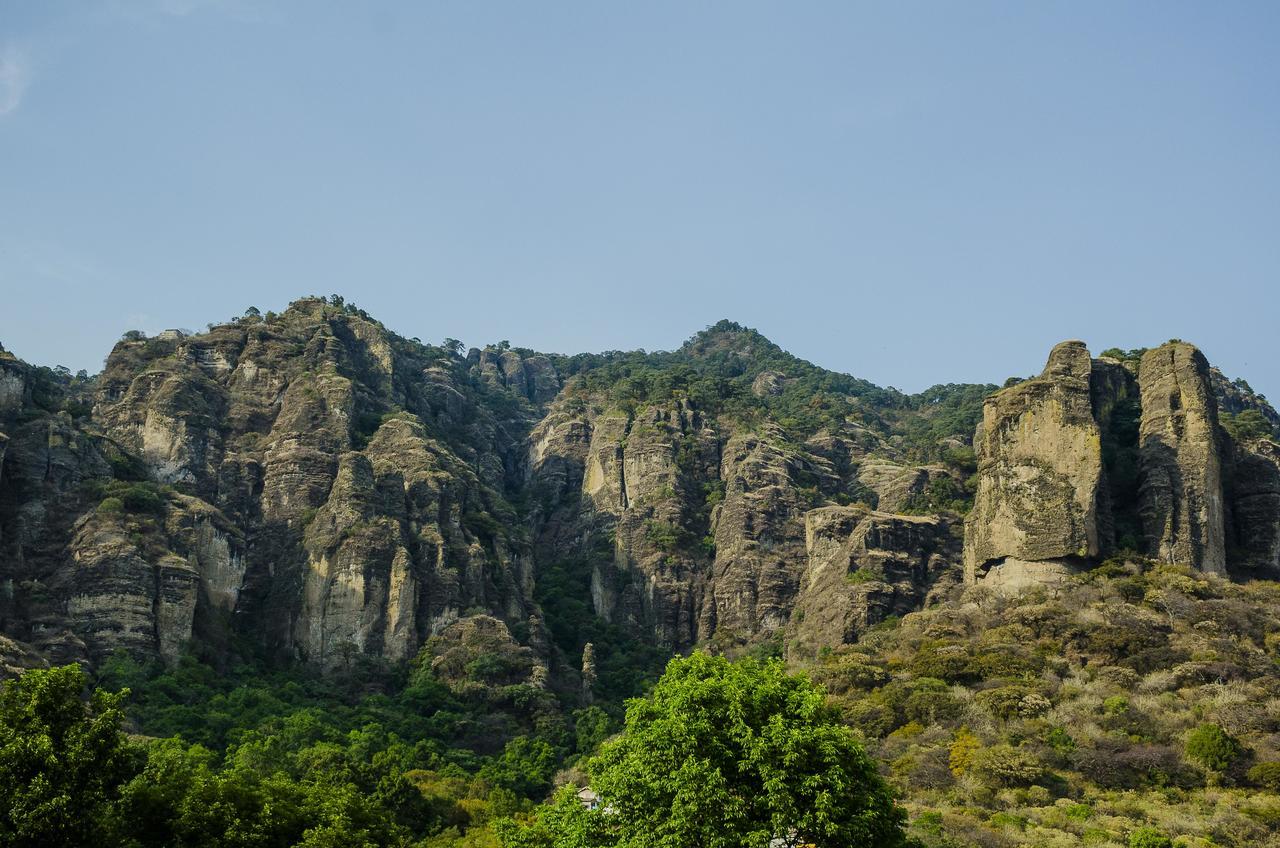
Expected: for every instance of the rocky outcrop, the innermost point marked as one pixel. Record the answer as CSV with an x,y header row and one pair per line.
x,y
759,535
323,489
399,549
1254,498
1041,477
17,658
690,539
864,566
478,653
1183,512
1099,456
123,602
640,490
895,486
1237,396
532,377
322,485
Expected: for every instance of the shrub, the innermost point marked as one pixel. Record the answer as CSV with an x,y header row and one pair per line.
x,y
1115,765
962,751
1004,661
1034,705
141,497
1212,747
1079,812
1060,741
111,506
1005,765
1115,705
872,717
1002,703
931,707
853,674
945,662
1266,775
664,535
1149,837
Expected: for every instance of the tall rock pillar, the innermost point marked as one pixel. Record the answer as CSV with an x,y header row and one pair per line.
x,y
1181,499
1040,477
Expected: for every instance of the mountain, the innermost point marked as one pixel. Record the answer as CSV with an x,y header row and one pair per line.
x,y
309,485
329,557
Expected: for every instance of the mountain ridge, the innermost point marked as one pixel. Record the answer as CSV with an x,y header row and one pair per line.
x,y
320,484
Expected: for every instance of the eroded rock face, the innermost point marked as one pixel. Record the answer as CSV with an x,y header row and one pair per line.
x,y
16,658
759,536
1255,510
1182,496
362,530
693,534
390,558
327,489
1040,469
1095,457
642,474
895,485
126,595
864,566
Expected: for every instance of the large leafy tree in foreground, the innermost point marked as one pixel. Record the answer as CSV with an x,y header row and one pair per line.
x,y
725,755
62,760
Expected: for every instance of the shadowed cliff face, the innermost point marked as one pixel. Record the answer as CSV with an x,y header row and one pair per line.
x,y
313,487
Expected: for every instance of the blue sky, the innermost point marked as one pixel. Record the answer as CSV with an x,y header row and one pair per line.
x,y
909,192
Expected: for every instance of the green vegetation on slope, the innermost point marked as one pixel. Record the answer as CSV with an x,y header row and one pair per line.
x,y
718,369
364,756
1138,705
1140,699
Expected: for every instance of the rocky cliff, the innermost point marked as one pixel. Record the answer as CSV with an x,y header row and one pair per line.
x,y
1040,476
312,487
1097,457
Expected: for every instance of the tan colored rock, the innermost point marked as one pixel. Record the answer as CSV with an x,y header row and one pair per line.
x,y
864,566
638,493
124,598
604,482
768,384
1182,494
1040,470
759,534
895,484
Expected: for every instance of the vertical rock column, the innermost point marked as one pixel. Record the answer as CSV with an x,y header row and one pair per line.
x,y
1181,496
1040,477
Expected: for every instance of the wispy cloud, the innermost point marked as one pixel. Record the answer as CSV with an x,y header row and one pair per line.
x,y
15,74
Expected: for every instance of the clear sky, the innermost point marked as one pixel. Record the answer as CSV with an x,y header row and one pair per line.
x,y
910,192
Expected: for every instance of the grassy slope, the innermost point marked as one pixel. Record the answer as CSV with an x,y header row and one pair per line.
x,y
1063,718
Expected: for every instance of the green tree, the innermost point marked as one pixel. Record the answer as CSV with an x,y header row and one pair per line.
x,y
1247,426
62,760
725,755
1212,747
